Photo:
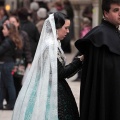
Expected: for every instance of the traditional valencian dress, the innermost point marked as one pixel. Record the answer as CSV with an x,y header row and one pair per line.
x,y
45,94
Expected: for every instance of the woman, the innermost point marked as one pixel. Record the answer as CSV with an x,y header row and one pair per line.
x,y
26,50
3,18
24,53
45,94
7,52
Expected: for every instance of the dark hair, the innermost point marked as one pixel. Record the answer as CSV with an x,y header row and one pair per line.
x,y
69,9
60,19
16,18
106,4
23,13
88,11
14,35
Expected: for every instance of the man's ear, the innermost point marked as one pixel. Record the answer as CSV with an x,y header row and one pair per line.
x,y
105,13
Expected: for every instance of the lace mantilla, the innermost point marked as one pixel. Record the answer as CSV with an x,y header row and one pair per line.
x,y
37,99
61,56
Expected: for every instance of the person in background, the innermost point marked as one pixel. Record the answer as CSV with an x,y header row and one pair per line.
x,y
24,53
43,4
7,54
70,12
100,81
86,26
34,6
3,18
30,28
58,4
42,15
88,11
45,85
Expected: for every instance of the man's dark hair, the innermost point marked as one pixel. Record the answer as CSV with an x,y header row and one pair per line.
x,y
23,13
106,4
60,19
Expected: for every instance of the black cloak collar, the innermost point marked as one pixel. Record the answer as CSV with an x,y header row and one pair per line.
x,y
105,34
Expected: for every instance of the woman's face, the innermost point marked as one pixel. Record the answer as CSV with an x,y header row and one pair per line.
x,y
14,21
1,14
62,32
5,31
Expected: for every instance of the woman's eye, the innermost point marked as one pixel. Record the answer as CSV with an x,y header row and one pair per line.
x,y
66,27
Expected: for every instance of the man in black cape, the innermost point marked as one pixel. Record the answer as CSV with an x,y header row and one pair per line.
x,y
100,82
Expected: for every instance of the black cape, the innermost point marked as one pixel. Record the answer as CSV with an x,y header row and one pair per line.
x,y
100,82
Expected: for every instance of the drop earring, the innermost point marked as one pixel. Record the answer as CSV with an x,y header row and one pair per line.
x,y
57,34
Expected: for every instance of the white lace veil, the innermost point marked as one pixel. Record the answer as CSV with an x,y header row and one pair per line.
x,y
38,97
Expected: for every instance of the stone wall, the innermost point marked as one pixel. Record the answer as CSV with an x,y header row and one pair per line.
x,y
78,6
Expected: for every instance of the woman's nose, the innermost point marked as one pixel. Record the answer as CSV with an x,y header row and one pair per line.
x,y
68,30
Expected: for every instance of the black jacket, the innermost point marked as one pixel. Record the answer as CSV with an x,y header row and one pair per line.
x,y
100,82
7,50
33,34
25,52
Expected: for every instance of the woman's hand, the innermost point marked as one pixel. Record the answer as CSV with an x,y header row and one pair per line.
x,y
81,57
29,65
